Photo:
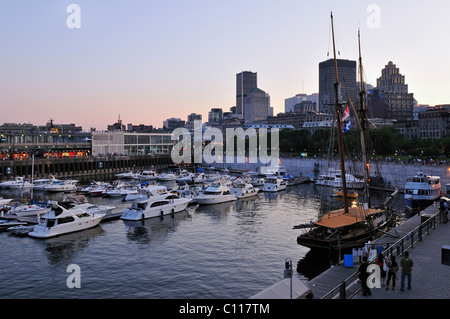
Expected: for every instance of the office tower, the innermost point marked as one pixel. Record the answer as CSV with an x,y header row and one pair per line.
x,y
215,116
327,79
400,103
245,82
256,105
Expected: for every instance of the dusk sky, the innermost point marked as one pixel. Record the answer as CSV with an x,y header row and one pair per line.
x,y
152,60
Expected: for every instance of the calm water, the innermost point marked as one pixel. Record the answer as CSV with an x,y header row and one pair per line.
x,y
230,250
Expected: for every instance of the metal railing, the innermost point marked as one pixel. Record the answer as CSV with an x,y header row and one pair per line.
x,y
349,287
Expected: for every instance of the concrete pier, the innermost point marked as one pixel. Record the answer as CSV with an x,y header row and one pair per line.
x,y
84,166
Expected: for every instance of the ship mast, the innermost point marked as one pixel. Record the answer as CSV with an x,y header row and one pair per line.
x,y
337,90
363,123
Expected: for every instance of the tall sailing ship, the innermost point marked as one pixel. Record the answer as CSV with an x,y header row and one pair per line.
x,y
349,226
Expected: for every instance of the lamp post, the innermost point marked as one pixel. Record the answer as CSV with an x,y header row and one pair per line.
x,y
288,272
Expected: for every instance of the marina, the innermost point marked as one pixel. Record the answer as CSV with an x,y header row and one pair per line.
x,y
194,252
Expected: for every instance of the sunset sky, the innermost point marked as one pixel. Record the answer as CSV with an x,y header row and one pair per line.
x,y
152,60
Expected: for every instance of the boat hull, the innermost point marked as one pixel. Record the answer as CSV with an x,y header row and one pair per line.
x,y
177,206
40,231
210,200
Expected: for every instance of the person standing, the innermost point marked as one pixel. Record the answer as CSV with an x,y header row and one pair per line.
x,y
406,263
392,272
363,275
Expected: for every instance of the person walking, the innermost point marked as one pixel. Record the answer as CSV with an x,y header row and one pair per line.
x,y
392,272
363,275
381,261
406,263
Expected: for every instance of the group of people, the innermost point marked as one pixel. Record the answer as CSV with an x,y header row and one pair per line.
x,y
387,267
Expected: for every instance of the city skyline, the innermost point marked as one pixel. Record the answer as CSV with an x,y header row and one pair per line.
x,y
149,61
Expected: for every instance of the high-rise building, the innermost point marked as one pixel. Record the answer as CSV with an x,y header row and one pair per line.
x,y
245,82
215,115
257,106
327,79
399,102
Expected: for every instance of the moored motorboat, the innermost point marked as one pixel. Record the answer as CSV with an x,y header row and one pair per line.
x,y
60,220
274,184
217,192
421,191
149,208
243,189
17,183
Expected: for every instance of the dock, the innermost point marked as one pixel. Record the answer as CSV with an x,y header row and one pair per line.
x,y
423,236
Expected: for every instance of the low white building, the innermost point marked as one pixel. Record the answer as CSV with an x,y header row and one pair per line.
x,y
121,143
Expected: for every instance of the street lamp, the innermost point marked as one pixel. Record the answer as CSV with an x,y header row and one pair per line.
x,y
288,272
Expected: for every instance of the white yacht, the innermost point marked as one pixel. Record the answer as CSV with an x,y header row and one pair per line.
x,y
149,208
273,170
39,184
16,183
185,177
242,189
216,193
167,177
61,220
127,175
121,190
66,186
274,184
149,191
333,178
28,210
421,191
5,201
147,175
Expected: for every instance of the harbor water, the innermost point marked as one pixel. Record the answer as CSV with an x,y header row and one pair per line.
x,y
231,250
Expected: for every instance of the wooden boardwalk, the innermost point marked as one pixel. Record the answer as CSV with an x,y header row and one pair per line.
x,y
331,278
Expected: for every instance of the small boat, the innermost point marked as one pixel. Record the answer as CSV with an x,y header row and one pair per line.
x,y
338,192
147,175
185,177
20,230
61,220
92,185
5,224
155,208
17,183
121,190
421,191
5,201
66,186
39,184
29,210
167,177
217,192
127,175
274,184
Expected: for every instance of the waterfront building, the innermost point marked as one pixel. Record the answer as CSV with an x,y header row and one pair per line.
x,y
297,120
400,103
191,118
327,79
434,122
19,141
122,143
290,103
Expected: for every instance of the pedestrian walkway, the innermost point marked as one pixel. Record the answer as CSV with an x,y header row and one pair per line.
x,y
430,278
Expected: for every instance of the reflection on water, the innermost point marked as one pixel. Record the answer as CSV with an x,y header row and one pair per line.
x,y
62,248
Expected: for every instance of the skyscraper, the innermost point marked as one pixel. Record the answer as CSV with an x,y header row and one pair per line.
x,y
400,103
327,79
245,82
